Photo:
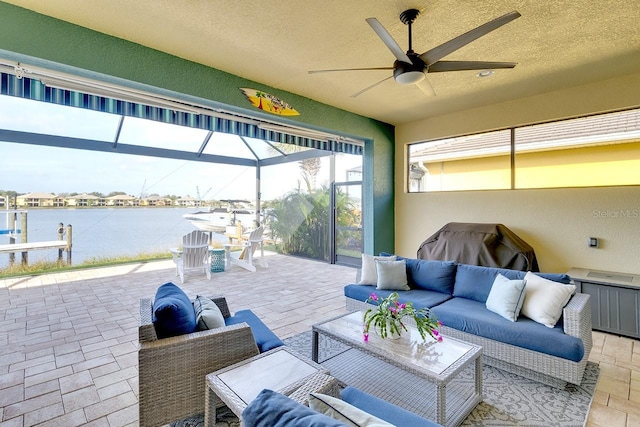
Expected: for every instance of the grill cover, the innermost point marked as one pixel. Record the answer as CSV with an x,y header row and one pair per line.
x,y
490,245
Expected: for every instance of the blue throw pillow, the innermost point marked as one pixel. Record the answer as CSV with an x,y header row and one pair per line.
x,y
474,282
431,275
172,312
271,409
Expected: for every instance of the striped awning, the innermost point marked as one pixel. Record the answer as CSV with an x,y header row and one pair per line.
x,y
34,89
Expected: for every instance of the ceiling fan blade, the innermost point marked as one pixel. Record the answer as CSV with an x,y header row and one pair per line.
x,y
425,86
441,66
437,53
370,87
349,69
388,40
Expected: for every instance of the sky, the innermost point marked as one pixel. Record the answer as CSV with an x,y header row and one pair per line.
x,y
30,168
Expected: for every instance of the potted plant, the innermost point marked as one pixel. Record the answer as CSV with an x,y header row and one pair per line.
x,y
388,317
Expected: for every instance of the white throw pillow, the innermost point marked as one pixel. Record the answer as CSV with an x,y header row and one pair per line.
x,y
506,297
369,276
343,411
208,314
392,275
545,299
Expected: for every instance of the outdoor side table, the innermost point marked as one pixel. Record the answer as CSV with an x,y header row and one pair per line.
x,y
279,369
217,260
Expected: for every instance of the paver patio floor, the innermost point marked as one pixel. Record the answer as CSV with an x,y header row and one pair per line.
x,y
68,341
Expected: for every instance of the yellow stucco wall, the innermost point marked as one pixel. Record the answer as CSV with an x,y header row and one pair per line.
x,y
577,167
603,165
556,222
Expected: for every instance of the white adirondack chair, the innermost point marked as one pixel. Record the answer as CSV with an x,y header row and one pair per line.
x,y
195,254
245,257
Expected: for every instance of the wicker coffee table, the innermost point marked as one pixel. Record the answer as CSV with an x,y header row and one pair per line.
x,y
279,369
441,381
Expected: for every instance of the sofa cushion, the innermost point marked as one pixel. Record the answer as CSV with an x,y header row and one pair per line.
x,y
265,339
368,272
472,317
506,297
208,314
344,411
384,410
271,409
392,275
172,312
430,275
474,282
419,297
545,299
556,277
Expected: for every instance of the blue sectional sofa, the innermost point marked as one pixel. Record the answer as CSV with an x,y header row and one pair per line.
x,y
457,294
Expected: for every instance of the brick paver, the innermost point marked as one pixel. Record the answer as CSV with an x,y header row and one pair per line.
x,y
68,341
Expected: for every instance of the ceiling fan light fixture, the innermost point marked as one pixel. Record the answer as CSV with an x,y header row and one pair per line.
x,y
485,73
410,77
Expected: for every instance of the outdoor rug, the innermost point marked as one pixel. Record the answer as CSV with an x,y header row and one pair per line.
x,y
509,400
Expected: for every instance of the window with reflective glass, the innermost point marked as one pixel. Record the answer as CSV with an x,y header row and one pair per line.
x,y
472,162
590,151
599,150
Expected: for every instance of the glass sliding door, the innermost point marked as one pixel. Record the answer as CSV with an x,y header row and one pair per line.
x,y
347,231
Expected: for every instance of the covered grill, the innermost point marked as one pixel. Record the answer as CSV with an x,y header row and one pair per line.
x,y
491,245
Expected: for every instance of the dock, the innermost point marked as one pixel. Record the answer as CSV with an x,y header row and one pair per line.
x,y
25,247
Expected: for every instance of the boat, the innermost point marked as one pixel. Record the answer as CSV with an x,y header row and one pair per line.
x,y
218,219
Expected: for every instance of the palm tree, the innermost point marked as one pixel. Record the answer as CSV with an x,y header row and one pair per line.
x,y
300,221
309,167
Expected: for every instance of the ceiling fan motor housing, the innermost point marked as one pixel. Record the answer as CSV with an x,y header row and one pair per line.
x,y
407,74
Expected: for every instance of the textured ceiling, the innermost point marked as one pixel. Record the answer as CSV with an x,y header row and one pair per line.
x,y
556,44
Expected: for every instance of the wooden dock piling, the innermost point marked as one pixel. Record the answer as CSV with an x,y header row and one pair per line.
x,y
23,236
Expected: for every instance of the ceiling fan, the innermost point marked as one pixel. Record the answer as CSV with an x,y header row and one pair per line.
x,y
411,68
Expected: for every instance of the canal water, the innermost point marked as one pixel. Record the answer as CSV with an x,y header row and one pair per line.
x,y
104,232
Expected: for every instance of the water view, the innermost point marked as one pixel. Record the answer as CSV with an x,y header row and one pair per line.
x,y
105,232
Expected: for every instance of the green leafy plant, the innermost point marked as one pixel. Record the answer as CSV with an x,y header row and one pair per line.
x,y
389,318
299,222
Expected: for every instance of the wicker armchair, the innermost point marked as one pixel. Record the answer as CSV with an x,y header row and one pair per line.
x,y
172,370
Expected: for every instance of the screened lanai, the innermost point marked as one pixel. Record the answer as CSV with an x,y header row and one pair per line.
x,y
115,119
